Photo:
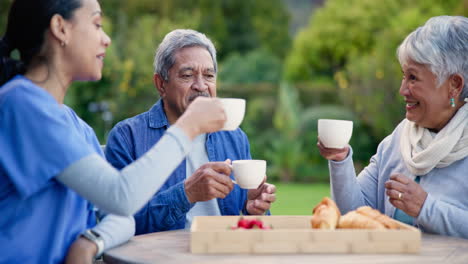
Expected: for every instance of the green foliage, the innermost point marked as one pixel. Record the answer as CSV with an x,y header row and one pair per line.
x,y
257,66
286,153
273,32
462,8
234,26
242,26
339,29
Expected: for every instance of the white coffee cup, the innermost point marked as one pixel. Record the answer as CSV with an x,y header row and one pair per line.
x,y
235,111
249,174
335,133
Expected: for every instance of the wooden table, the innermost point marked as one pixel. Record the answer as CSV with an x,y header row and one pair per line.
x,y
174,247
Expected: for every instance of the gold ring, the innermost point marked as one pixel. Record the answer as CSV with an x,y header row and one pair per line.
x,y
400,196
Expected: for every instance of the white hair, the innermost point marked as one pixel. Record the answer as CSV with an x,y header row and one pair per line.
x,y
175,41
442,45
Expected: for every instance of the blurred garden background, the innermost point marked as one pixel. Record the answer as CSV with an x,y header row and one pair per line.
x,y
295,61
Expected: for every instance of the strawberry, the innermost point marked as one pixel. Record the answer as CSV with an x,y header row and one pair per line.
x,y
258,223
250,224
243,223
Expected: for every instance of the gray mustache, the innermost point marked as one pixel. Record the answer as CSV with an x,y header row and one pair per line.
x,y
193,96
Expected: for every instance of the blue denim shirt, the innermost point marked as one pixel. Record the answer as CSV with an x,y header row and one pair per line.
x,y
167,210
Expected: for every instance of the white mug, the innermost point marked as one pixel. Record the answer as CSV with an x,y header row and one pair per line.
x,y
249,174
335,133
235,111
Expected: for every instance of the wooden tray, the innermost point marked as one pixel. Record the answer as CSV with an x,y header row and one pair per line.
x,y
293,234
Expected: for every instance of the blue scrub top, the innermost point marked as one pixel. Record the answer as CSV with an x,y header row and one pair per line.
x,y
39,217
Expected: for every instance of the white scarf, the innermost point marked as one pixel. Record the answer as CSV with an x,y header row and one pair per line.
x,y
423,150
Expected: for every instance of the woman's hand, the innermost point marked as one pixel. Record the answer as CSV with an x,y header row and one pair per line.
x,y
203,115
405,194
333,154
82,251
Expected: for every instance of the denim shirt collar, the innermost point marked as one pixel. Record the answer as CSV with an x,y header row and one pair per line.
x,y
158,119
157,116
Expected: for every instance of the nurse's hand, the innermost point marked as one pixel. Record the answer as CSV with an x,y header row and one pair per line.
x,y
203,115
82,251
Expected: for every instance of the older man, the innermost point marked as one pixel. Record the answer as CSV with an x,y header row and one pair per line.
x,y
185,67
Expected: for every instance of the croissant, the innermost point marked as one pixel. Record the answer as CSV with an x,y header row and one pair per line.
x,y
325,214
379,217
355,220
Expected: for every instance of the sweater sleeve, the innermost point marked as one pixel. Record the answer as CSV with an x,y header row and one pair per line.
x,y
126,191
440,217
115,230
349,191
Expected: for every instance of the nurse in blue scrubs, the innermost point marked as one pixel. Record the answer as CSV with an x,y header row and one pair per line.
x,y
51,165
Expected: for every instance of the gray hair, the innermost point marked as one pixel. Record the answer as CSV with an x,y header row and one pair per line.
x,y
175,41
442,45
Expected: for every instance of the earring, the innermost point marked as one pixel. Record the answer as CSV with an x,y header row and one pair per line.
x,y
62,44
452,102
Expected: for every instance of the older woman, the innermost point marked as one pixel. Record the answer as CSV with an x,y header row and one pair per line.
x,y
419,173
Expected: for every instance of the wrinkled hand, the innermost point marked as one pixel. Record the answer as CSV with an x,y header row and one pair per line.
x,y
412,196
82,251
259,200
331,153
203,115
209,181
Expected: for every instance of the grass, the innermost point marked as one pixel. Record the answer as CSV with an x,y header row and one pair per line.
x,y
298,198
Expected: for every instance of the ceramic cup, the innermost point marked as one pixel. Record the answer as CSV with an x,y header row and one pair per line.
x,y
235,111
335,133
249,174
